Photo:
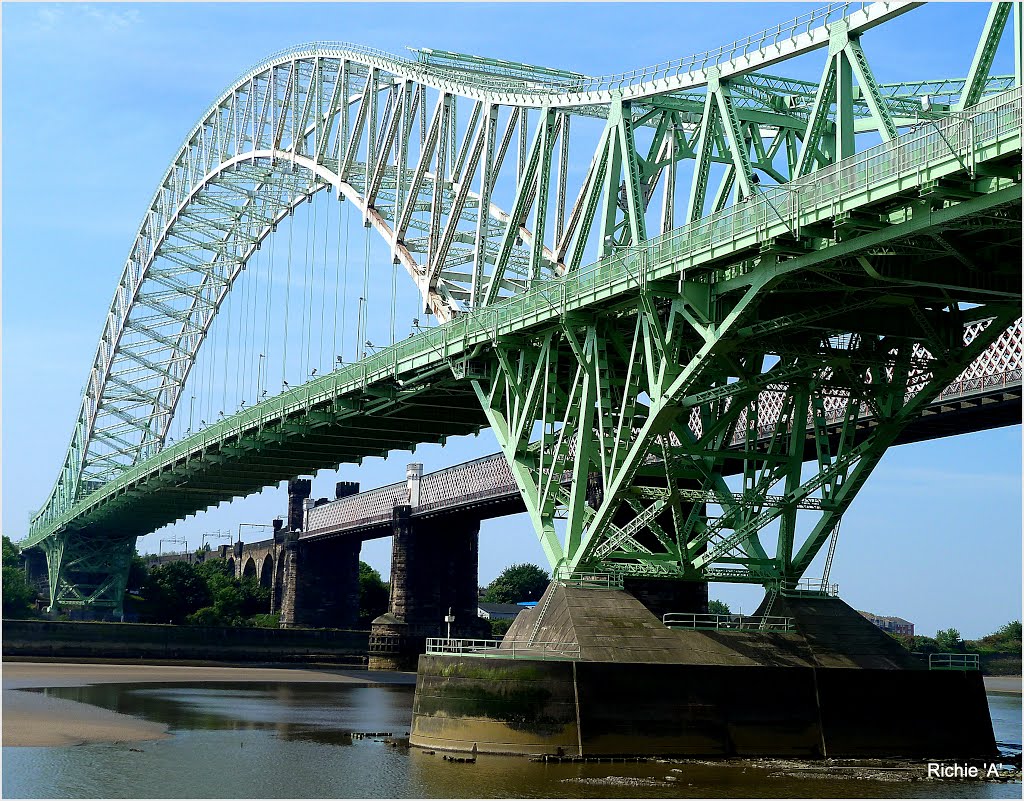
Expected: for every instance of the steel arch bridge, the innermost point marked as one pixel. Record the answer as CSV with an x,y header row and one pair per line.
x,y
747,236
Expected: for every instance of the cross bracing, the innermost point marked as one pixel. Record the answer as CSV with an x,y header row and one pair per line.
x,y
482,148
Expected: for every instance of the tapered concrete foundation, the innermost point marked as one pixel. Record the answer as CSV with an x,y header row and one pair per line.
x,y
836,686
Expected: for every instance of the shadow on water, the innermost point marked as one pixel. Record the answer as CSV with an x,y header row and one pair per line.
x,y
321,713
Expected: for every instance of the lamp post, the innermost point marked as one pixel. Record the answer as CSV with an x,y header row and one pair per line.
x,y
449,619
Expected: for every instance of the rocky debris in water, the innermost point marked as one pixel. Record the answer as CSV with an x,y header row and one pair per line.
x,y
448,758
370,735
137,750
558,758
617,781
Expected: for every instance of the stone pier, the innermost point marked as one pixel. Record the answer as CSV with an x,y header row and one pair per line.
x,y
320,586
434,566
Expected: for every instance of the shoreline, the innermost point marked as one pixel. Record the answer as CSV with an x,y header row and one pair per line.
x,y
1003,685
34,719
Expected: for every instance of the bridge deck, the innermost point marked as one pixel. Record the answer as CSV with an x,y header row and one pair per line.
x,y
396,398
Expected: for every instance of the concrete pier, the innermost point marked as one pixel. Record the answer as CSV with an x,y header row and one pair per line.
x,y
611,679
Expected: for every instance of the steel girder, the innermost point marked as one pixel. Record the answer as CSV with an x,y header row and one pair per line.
x,y
88,571
666,386
345,117
924,162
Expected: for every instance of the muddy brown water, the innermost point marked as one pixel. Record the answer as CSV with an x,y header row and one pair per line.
x,y
282,740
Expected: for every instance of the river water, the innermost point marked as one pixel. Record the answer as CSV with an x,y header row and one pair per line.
x,y
279,740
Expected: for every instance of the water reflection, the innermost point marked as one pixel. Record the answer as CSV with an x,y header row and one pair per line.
x,y
273,740
322,713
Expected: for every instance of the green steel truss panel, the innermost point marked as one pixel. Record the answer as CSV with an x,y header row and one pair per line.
x,y
637,341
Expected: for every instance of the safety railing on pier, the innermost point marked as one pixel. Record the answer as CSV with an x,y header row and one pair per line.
x,y
602,581
692,620
812,586
503,649
953,662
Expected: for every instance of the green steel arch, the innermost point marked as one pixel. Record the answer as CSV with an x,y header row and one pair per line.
x,y
283,131
367,125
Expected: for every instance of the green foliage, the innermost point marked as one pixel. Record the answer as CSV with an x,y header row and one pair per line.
x,y
205,594
266,621
499,627
522,582
374,595
137,573
949,640
18,595
11,557
174,591
716,607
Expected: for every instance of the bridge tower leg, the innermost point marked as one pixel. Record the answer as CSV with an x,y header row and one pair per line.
x,y
88,572
433,569
320,579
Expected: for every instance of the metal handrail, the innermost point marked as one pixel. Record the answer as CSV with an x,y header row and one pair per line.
x,y
816,586
505,649
708,621
609,581
950,661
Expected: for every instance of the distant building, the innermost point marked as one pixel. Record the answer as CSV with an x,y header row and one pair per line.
x,y
498,611
891,624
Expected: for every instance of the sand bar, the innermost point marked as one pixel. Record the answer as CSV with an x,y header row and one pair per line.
x,y
1010,685
33,719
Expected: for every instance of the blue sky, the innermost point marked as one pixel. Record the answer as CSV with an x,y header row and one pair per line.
x,y
97,98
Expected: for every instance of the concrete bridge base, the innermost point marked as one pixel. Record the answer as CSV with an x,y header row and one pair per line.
x,y
836,686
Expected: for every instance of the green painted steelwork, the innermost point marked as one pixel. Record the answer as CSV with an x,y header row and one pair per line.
x,y
638,369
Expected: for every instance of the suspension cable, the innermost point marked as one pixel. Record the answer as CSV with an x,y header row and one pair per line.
x,y
323,285
287,298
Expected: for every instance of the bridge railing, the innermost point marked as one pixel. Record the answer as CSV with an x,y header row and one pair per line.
x,y
813,586
953,662
503,649
601,581
709,622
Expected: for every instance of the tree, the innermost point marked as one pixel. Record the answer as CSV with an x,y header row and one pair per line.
x,y
716,607
174,591
18,594
12,553
374,595
500,626
948,640
137,573
522,582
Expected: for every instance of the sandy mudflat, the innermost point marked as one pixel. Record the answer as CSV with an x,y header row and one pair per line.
x,y
31,718
1003,684
35,719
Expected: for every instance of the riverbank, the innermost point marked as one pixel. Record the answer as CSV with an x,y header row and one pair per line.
x,y
35,719
1004,685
